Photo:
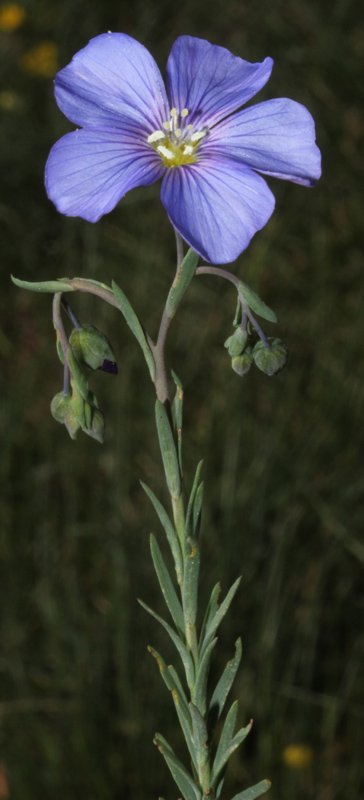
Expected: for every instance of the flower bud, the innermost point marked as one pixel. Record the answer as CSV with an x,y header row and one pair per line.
x,y
272,359
92,348
62,411
235,344
241,364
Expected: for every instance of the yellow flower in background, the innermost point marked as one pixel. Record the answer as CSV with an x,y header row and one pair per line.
x,y
297,756
41,60
9,101
11,17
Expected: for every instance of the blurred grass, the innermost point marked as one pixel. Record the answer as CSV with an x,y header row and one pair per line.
x,y
79,698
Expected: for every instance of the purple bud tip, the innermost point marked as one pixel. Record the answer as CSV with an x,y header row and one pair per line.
x,y
109,366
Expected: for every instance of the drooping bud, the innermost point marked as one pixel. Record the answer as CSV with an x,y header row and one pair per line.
x,y
270,359
241,364
62,411
91,347
235,344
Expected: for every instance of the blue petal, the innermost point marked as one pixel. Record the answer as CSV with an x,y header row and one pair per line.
x,y
113,79
88,172
210,81
276,137
217,205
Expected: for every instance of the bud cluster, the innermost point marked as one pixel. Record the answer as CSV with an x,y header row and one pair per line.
x,y
268,354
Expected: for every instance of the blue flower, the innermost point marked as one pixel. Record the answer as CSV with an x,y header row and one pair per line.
x,y
193,135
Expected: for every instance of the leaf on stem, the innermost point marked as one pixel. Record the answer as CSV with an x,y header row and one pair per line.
x,y
216,619
183,278
169,530
60,285
167,588
211,609
177,641
228,742
190,581
199,694
254,302
225,683
254,791
183,779
168,450
177,412
192,498
132,321
200,738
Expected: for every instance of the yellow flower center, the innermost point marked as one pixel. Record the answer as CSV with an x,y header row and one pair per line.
x,y
177,144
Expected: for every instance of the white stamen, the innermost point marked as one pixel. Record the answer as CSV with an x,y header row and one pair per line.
x,y
165,152
178,132
174,113
156,136
167,126
188,150
197,136
184,112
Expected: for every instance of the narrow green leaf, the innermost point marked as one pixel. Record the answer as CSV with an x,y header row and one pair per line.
x,y
60,285
101,285
254,302
199,733
181,282
177,411
211,609
215,621
199,693
174,685
132,321
168,529
197,510
228,744
226,736
180,646
168,450
225,683
191,501
190,582
183,779
254,791
167,588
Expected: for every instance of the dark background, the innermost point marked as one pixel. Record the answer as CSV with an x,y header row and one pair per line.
x,y
79,697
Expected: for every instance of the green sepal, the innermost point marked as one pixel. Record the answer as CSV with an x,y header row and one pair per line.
x,y
178,643
191,502
169,593
241,364
132,321
168,450
79,379
52,287
185,273
200,738
211,609
169,530
225,683
228,742
177,412
254,791
62,412
183,779
202,672
254,302
215,620
190,582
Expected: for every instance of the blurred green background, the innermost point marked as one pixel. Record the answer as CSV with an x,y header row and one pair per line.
x,y
79,697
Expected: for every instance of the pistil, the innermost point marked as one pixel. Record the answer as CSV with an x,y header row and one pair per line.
x,y
178,142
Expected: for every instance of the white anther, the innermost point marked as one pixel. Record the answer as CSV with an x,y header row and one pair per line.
x,y
167,126
184,113
188,150
178,132
165,152
156,136
174,113
197,136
